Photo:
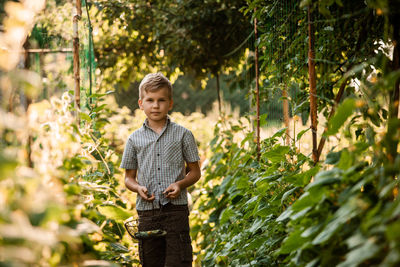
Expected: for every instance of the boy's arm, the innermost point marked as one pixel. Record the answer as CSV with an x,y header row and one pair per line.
x,y
133,185
192,176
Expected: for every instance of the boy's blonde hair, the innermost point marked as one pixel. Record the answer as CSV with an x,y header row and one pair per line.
x,y
153,82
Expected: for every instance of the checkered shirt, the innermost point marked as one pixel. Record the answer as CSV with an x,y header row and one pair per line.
x,y
159,160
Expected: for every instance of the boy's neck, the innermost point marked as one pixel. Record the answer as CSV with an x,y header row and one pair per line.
x,y
157,126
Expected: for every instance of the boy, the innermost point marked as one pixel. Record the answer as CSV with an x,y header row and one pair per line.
x,y
154,162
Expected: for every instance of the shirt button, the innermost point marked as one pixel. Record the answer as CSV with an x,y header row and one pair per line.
x,y
158,154
158,168
159,183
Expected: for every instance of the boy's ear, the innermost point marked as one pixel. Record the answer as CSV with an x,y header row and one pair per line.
x,y
171,104
140,104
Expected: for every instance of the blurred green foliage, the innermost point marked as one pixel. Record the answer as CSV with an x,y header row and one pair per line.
x,y
284,210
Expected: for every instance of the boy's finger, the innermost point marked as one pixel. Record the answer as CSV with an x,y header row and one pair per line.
x,y
171,194
167,191
148,198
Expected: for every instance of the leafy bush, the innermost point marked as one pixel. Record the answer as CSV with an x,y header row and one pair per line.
x,y
285,211
240,212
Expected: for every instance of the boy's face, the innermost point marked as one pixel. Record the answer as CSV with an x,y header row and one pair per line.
x,y
156,104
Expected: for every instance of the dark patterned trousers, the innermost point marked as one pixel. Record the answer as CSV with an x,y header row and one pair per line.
x,y
173,250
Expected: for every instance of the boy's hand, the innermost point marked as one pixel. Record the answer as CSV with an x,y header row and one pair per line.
x,y
172,191
142,191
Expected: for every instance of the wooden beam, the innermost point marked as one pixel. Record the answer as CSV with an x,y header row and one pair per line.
x,y
44,50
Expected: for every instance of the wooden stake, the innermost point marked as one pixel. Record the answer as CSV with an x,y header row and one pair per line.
x,y
257,91
313,87
27,64
77,78
218,94
286,113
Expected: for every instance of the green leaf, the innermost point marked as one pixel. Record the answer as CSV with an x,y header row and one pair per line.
x,y
360,254
305,3
85,117
277,154
7,166
100,95
301,133
285,215
325,181
257,242
114,212
263,212
346,160
288,193
279,133
341,115
333,157
117,247
293,242
72,189
97,109
392,232
355,240
312,230
303,178
226,215
327,232
341,216
308,199
263,119
258,223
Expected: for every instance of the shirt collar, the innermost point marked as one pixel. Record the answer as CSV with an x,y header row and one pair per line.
x,y
146,123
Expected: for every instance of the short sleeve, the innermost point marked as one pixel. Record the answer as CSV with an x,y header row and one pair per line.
x,y
190,152
129,158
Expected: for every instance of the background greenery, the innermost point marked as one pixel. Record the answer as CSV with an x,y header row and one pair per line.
x,y
62,199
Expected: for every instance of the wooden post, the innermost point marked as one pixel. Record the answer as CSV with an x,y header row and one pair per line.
x,y
313,86
286,113
27,64
76,18
218,94
257,91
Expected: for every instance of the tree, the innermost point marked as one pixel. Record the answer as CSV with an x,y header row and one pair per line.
x,y
190,36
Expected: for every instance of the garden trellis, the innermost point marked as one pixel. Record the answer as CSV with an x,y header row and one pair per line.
x,y
288,53
78,55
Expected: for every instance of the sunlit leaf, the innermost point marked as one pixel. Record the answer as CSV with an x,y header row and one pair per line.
x,y
342,113
114,212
